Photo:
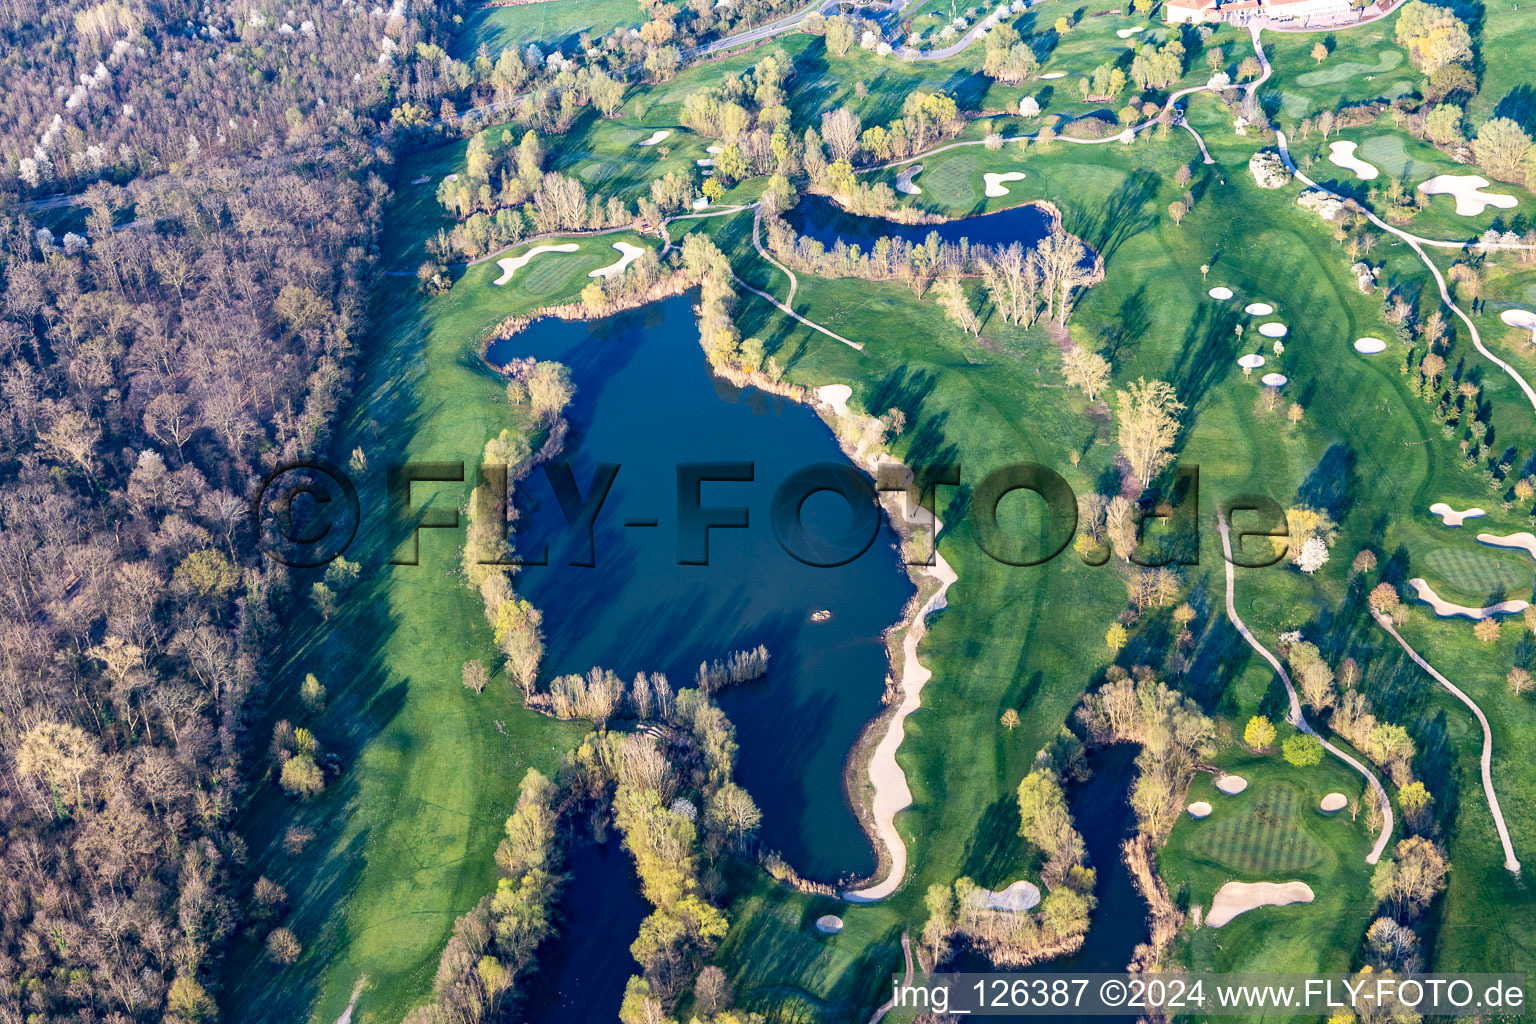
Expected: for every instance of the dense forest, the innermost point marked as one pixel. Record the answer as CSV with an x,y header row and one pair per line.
x,y
189,199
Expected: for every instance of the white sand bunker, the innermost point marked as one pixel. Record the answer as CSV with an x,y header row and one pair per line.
x,y
1052,76
1524,541
829,924
1523,318
421,179
627,254
1252,361
1342,154
707,161
1240,897
1274,330
1333,802
836,395
1258,309
1467,188
1231,784
1451,517
1199,809
1220,292
513,264
1275,380
995,187
656,137
904,180
1018,897
1370,346
714,150
1446,609
1126,33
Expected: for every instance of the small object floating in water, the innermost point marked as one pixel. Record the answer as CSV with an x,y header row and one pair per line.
x,y
1333,802
829,924
1370,346
1258,309
1274,380
1220,292
821,615
421,180
1231,784
1274,330
1453,518
1199,809
1252,361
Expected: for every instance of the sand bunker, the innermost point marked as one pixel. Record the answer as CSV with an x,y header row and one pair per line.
x,y
627,254
995,187
1018,897
1275,380
1274,330
1342,154
1258,309
1231,784
1251,361
513,264
1199,809
707,161
1453,518
1524,541
1333,802
1126,33
1220,293
829,924
1446,609
1370,346
714,150
1467,188
1053,75
904,180
1240,897
656,137
1523,318
836,395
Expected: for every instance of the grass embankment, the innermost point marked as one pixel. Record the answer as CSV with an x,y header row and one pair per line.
x,y
553,25
405,836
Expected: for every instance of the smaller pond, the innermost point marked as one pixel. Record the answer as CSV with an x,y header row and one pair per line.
x,y
583,970
825,221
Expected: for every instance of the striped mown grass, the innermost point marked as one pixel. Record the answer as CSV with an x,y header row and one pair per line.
x,y
1263,835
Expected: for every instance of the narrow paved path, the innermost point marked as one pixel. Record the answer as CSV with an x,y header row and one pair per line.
x,y
794,282
1295,717
1417,244
889,1004
1510,862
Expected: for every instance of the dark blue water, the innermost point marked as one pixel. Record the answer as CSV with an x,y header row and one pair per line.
x,y
825,221
648,402
1102,812
582,975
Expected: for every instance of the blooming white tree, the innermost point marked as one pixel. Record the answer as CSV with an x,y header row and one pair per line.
x,y
1029,107
1313,555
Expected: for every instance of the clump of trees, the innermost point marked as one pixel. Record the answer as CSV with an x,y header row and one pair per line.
x,y
1173,733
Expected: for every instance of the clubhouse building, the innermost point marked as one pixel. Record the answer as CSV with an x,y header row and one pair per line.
x,y
1241,12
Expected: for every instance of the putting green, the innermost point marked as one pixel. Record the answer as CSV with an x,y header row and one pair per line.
x,y
551,272
1261,836
954,181
1344,70
1390,154
1479,575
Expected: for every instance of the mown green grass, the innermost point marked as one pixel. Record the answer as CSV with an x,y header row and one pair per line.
x,y
1260,836
405,837
1477,575
548,23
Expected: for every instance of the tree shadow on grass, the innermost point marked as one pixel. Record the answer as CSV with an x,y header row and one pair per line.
x,y
1123,215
